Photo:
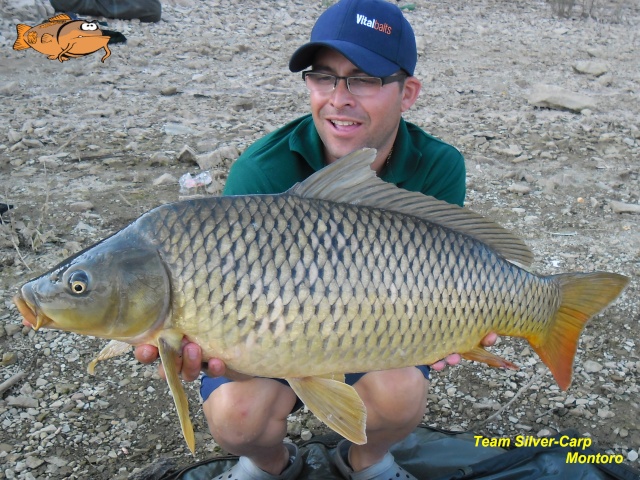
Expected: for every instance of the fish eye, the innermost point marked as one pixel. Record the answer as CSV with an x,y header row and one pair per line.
x,y
78,282
89,26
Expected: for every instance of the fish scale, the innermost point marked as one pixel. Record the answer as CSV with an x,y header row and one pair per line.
x,y
343,273
373,269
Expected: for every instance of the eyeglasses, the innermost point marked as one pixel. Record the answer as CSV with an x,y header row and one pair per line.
x,y
361,86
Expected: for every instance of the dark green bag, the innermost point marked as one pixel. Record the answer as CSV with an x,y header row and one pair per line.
x,y
436,454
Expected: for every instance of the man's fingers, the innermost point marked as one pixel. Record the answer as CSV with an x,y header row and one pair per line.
x,y
191,362
214,367
438,366
146,353
453,359
490,339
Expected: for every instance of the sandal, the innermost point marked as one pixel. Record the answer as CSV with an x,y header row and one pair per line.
x,y
245,469
385,469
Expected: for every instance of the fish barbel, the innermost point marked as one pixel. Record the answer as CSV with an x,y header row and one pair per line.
x,y
342,273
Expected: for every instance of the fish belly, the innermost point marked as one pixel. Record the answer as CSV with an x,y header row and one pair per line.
x,y
282,286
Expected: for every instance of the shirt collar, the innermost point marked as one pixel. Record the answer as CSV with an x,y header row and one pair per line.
x,y
404,160
305,141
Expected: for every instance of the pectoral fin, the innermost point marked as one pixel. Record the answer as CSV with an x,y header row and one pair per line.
x,y
112,349
335,403
168,355
479,354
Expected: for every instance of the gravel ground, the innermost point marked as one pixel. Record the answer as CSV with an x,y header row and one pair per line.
x,y
86,147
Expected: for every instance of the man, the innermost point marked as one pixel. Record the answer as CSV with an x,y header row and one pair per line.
x,y
362,56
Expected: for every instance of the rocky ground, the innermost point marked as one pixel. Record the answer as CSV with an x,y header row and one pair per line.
x,y
85,147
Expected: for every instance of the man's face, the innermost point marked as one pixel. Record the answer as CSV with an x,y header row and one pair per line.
x,y
346,122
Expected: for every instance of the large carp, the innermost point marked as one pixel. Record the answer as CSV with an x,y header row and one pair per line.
x,y
342,273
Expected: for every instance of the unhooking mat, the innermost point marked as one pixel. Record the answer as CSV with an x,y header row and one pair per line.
x,y
435,454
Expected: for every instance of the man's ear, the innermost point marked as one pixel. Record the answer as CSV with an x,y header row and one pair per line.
x,y
410,92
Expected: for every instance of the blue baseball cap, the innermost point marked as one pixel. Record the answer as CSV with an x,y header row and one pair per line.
x,y
371,34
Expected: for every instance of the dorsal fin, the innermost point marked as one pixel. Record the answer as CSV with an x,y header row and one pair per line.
x,y
351,180
62,17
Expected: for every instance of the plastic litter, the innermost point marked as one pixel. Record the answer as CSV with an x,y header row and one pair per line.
x,y
194,185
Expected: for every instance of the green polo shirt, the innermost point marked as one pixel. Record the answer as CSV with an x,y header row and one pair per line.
x,y
276,162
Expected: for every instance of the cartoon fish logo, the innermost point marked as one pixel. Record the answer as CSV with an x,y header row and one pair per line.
x,y
63,38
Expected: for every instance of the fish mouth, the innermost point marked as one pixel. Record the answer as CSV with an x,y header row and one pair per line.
x,y
30,312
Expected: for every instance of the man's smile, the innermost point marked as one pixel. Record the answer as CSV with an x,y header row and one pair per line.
x,y
343,126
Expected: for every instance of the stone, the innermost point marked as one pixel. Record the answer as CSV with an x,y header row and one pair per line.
x,y
519,188
165,178
620,207
9,358
550,96
80,207
591,366
22,401
591,67
187,155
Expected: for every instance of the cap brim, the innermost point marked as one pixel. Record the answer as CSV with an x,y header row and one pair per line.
x,y
367,61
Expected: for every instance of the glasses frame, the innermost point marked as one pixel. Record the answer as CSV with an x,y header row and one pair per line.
x,y
383,80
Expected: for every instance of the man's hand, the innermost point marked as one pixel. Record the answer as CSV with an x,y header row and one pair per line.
x,y
189,364
455,358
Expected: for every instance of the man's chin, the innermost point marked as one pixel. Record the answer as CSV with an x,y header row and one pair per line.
x,y
342,151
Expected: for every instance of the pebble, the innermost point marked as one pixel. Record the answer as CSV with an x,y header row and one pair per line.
x,y
519,188
553,96
169,91
9,358
165,178
620,207
591,67
591,366
80,206
632,456
22,401
12,329
178,129
187,155
605,413
33,462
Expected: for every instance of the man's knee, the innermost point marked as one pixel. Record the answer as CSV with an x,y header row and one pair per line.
x,y
240,412
398,396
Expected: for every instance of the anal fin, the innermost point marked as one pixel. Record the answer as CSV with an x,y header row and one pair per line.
x,y
479,354
168,355
334,402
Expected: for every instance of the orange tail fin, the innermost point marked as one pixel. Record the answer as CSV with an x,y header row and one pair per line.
x,y
583,296
21,43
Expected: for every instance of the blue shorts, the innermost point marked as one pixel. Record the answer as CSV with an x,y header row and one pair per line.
x,y
209,384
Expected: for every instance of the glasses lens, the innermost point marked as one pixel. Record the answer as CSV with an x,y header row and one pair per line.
x,y
364,85
320,82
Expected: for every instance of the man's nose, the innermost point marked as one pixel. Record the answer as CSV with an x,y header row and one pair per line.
x,y
341,94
